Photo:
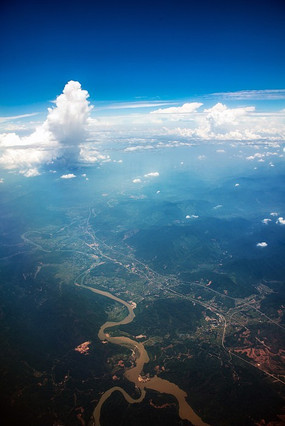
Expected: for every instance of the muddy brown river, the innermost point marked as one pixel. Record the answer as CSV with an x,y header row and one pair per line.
x,y
134,374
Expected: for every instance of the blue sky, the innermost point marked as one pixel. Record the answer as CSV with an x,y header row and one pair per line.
x,y
139,50
82,81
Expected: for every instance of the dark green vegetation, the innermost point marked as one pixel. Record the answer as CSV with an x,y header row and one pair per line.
x,y
210,303
156,409
42,321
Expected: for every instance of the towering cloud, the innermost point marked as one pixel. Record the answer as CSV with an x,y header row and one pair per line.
x,y
68,121
61,134
219,116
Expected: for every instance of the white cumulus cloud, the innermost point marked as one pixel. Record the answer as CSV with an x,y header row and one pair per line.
x,y
151,174
280,221
68,120
221,122
220,114
68,176
266,221
257,155
137,180
262,244
61,134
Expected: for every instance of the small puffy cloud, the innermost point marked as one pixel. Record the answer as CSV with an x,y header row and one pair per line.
x,y
262,244
220,150
280,221
274,214
151,174
201,157
257,155
30,172
236,184
1,180
192,216
266,221
137,180
219,206
68,176
260,156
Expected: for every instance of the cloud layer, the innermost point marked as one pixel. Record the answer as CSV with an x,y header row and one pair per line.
x,y
70,134
192,121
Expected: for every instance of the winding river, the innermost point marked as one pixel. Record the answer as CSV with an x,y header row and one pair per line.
x,y
134,374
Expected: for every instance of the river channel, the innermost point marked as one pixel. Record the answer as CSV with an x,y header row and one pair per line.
x,y
134,374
